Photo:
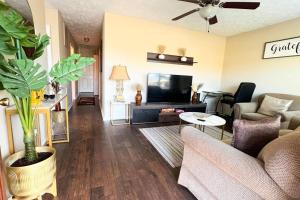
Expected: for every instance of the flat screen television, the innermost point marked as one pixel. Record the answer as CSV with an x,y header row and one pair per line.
x,y
169,88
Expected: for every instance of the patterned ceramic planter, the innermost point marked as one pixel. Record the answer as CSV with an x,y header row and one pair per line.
x,y
32,181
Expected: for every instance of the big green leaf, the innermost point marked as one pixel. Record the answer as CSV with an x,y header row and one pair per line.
x,y
6,46
40,45
7,49
4,36
3,63
20,77
13,23
70,69
29,41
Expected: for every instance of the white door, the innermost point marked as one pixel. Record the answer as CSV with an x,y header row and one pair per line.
x,y
86,83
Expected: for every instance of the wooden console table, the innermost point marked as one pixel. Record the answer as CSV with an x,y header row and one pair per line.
x,y
45,108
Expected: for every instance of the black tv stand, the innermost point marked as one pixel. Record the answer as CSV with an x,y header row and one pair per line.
x,y
149,112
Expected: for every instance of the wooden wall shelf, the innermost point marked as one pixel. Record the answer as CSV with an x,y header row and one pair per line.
x,y
170,59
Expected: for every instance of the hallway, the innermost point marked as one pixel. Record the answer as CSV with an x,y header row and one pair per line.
x,y
111,162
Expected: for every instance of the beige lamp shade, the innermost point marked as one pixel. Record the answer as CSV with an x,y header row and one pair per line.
x,y
119,73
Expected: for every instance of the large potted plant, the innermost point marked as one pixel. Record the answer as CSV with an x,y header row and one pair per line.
x,y
31,172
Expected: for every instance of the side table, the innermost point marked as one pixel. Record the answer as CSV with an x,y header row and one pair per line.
x,y
217,95
126,119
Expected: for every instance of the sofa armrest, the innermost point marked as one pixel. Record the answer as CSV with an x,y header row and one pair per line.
x,y
240,108
294,123
288,115
243,168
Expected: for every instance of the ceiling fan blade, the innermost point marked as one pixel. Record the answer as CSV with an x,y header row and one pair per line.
x,y
213,20
240,5
191,1
186,14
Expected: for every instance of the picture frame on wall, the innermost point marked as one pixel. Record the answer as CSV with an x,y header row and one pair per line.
x,y
289,47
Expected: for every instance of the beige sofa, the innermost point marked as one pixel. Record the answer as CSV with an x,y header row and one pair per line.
x,y
212,169
249,110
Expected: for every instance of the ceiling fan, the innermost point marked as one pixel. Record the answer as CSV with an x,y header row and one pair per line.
x,y
209,8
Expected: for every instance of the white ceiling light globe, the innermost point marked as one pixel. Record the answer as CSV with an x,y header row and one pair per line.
x,y
208,12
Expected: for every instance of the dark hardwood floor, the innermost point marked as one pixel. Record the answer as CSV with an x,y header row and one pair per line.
x,y
112,162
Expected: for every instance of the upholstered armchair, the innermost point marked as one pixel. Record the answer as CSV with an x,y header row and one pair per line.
x,y
249,110
212,169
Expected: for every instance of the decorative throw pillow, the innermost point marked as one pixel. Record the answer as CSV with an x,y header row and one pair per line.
x,y
271,105
282,162
251,136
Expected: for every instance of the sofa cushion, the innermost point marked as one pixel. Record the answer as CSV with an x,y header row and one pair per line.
x,y
251,136
282,162
254,116
284,132
296,99
271,106
294,123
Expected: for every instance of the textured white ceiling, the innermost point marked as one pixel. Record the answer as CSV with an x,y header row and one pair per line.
x,y
84,17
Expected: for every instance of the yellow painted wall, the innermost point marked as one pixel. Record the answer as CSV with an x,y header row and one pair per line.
x,y
52,22
243,61
60,42
126,41
38,15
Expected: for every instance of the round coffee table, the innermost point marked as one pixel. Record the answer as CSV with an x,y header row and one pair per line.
x,y
202,120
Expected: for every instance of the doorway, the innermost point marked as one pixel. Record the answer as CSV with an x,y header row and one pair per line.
x,y
86,83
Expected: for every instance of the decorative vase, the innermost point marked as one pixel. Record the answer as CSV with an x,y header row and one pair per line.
x,y
32,181
138,98
195,98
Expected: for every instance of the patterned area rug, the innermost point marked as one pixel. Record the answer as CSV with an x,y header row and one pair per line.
x,y
167,141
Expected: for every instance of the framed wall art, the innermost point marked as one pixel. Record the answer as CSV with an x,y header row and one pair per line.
x,y
282,48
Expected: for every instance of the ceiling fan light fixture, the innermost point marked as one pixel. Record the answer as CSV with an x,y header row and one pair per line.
x,y
161,56
208,12
183,59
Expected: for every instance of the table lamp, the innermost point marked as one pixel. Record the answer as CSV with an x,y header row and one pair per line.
x,y
119,74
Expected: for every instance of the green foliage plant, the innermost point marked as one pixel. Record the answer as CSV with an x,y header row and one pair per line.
x,y
22,75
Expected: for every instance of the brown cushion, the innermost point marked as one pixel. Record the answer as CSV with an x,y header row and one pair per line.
x,y
281,159
251,136
254,116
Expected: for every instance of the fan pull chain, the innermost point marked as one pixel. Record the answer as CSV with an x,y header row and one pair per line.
x,y
207,26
